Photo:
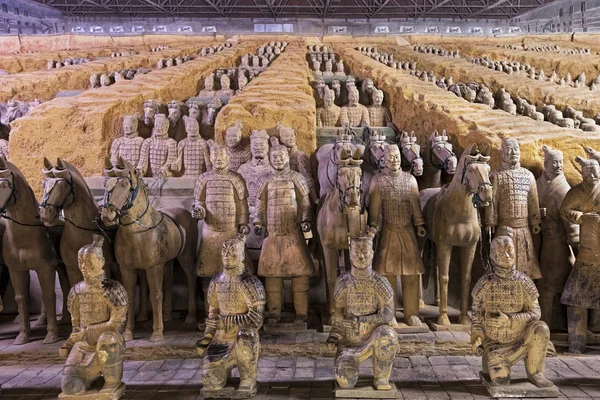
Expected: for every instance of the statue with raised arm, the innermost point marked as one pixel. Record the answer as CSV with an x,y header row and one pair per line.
x,y
378,114
506,322
129,145
515,205
283,208
394,204
236,302
581,206
159,151
95,348
237,151
193,156
354,114
329,114
363,320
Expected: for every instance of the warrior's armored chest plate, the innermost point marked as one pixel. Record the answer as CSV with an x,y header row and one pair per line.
x,y
507,296
159,153
513,193
231,297
282,206
220,203
355,115
93,308
361,297
237,157
193,157
129,149
395,199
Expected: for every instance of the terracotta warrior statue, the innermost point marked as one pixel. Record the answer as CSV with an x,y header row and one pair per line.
x,y
193,157
129,145
506,319
394,203
339,66
329,114
581,206
378,114
299,161
236,302
242,81
558,235
328,73
225,91
237,151
515,205
283,207
316,68
354,114
220,199
209,86
251,171
362,320
159,152
98,308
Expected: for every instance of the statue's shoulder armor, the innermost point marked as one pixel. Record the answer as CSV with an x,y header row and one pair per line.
x,y
253,288
531,290
239,184
300,182
115,293
480,286
383,286
262,182
342,283
139,139
203,179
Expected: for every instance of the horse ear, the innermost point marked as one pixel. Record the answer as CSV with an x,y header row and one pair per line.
x,y
47,164
357,154
589,150
60,164
3,163
124,164
486,150
474,149
108,167
435,133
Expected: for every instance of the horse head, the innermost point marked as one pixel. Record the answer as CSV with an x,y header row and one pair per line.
x,y
121,189
150,110
476,175
374,154
411,153
59,191
349,178
8,189
442,155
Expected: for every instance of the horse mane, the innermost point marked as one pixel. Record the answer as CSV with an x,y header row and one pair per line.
x,y
462,161
23,185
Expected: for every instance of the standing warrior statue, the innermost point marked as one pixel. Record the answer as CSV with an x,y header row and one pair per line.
x,y
506,319
160,151
299,161
394,197
98,308
363,319
283,205
558,235
129,145
220,199
516,206
237,152
193,156
354,114
581,206
236,302
329,114
378,114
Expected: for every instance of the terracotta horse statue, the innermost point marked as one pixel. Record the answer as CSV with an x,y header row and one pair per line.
x,y
411,153
148,239
342,216
373,158
438,157
451,219
25,247
151,108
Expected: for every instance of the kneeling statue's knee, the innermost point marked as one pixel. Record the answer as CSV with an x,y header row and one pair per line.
x,y
346,372
541,329
72,384
214,378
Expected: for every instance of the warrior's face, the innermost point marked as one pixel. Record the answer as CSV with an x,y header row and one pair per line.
x,y
511,152
553,165
288,138
233,137
259,147
378,98
225,82
502,252
361,254
219,158
591,174
328,99
192,128
90,264
232,254
392,158
280,159
353,97
161,126
130,126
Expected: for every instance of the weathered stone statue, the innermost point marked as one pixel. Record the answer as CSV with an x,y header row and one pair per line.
x,y
515,205
363,317
236,302
367,89
193,156
209,116
237,151
225,91
194,111
242,81
95,348
176,126
339,66
378,114
283,207
299,161
337,88
158,152
581,206
558,234
354,114
252,171
506,321
329,114
328,73
209,86
129,145
316,68
220,199
394,203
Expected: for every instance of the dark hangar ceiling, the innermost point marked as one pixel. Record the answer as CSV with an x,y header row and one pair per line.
x,y
322,9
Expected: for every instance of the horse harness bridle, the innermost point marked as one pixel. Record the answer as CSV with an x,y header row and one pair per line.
x,y
475,193
449,152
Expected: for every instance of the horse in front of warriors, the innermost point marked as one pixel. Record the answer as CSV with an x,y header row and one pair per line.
x,y
150,240
411,153
438,158
452,219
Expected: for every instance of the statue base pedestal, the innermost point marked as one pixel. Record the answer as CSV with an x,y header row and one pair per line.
x,y
228,392
95,394
364,390
517,388
287,324
403,328
451,328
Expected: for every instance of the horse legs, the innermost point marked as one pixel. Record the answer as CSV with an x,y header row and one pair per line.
x,y
63,279
142,314
444,252
47,278
168,291
331,257
20,282
467,255
190,273
129,277
155,276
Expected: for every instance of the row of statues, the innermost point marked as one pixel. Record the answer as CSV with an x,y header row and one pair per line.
x,y
53,64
